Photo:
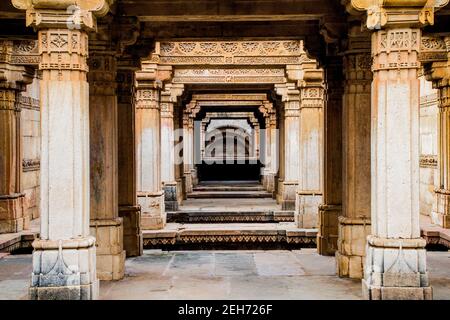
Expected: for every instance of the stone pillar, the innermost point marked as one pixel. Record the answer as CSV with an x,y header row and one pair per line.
x,y
440,75
274,152
148,152
395,265
167,152
106,225
129,210
188,128
291,99
332,185
64,256
309,193
354,224
13,80
265,172
170,185
396,256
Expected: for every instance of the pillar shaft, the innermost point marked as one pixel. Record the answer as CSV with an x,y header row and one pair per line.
x,y
291,131
396,256
129,211
148,157
64,257
168,154
12,213
106,225
309,194
332,185
354,224
441,74
188,152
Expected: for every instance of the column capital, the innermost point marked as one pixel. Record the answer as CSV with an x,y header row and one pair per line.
x,y
398,13
63,14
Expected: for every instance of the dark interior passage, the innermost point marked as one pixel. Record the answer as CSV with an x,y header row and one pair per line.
x,y
249,171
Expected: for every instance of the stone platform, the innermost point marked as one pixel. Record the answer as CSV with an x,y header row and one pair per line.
x,y
434,234
229,235
20,241
229,190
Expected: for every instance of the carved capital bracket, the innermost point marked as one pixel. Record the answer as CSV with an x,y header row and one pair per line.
x,y
63,14
435,58
400,13
169,97
12,75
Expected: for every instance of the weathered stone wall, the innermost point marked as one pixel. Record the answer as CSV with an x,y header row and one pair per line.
x,y
31,148
428,145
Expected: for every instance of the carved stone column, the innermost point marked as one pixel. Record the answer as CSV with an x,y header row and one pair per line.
x,y
188,131
129,210
439,73
309,193
354,224
395,255
148,151
332,186
64,256
106,225
168,97
13,80
291,98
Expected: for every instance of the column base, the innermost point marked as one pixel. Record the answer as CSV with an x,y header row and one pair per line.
x,y
12,213
441,215
187,182
110,253
179,191
64,270
351,244
328,229
194,177
396,293
307,209
132,235
395,269
170,196
288,195
153,215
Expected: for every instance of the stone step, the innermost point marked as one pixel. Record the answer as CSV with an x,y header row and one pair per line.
x,y
228,188
229,194
179,236
221,216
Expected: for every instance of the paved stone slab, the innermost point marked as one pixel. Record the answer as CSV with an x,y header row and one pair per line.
x,y
249,274
191,263
234,263
277,264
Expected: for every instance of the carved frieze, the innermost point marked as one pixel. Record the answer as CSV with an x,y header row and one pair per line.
x,y
392,49
428,161
147,99
229,52
31,164
226,75
432,49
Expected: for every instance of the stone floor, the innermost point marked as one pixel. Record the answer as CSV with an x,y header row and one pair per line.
x,y
300,274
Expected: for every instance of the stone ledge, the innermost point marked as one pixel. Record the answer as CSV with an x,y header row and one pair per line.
x,y
230,216
219,234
